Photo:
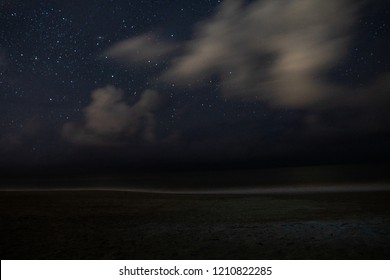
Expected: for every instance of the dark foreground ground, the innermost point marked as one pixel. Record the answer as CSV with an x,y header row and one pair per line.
x,y
126,225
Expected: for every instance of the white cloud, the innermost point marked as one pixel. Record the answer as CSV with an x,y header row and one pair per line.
x,y
110,120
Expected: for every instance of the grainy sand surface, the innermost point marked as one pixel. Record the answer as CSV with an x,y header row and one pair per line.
x,y
126,225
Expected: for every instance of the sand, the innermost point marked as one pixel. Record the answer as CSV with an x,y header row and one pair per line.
x,y
126,225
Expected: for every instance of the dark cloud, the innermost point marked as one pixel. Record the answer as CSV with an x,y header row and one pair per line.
x,y
16,139
29,143
3,60
359,110
8,4
110,120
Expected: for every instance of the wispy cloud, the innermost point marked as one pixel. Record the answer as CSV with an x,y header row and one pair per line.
x,y
280,53
140,49
276,51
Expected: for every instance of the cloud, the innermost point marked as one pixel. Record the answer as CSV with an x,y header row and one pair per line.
x,y
140,49
110,120
20,144
277,51
7,5
363,109
29,129
281,53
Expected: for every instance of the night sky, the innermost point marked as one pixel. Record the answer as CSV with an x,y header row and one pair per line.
x,y
112,85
